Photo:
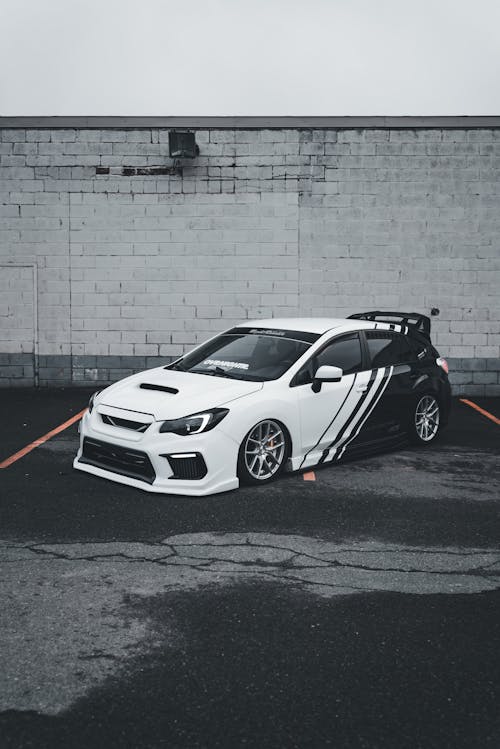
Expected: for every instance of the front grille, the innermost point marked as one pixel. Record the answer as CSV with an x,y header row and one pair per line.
x,y
137,426
189,467
118,459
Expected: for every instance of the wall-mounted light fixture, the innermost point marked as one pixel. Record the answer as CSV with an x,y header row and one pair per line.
x,y
182,145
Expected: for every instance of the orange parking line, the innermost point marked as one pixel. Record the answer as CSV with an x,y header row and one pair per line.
x,y
25,450
309,476
481,410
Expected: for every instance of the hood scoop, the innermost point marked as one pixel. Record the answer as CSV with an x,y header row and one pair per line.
x,y
161,388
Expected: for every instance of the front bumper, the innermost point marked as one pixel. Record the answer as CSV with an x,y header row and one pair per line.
x,y
139,459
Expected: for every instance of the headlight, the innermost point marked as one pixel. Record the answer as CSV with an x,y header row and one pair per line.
x,y
195,423
91,400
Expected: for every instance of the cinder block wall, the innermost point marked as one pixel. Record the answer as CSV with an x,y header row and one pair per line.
x,y
112,260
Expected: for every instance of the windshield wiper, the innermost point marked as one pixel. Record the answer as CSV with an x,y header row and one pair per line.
x,y
215,372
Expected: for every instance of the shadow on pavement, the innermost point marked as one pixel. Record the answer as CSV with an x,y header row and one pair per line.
x,y
260,666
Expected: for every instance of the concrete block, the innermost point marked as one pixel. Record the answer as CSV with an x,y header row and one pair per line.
x,y
472,365
485,378
13,136
493,364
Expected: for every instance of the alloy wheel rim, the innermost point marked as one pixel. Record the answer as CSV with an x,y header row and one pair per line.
x,y
264,450
427,418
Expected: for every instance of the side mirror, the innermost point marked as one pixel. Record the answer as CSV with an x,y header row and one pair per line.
x,y
326,374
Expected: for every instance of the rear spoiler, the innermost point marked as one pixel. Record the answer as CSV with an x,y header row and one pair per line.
x,y
413,320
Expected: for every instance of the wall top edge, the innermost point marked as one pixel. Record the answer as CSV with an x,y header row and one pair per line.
x,y
257,122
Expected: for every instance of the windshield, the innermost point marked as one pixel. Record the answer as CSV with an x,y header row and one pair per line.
x,y
242,354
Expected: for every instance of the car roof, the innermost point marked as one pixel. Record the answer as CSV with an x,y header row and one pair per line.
x,y
318,325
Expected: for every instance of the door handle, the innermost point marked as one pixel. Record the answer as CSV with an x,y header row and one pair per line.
x,y
362,388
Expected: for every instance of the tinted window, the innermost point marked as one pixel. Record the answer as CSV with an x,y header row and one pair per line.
x,y
388,348
344,352
244,357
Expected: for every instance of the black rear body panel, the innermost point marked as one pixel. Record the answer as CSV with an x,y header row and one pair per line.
x,y
389,421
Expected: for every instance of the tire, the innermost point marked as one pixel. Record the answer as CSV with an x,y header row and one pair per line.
x,y
264,452
425,419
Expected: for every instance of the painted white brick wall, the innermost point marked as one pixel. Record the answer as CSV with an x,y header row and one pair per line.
x,y
262,223
147,273
17,309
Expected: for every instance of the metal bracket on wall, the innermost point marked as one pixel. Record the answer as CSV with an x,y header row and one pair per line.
x,y
140,171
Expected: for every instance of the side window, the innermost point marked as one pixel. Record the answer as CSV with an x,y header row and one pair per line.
x,y
343,352
387,348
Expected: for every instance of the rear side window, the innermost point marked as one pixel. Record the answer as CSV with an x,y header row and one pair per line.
x,y
387,348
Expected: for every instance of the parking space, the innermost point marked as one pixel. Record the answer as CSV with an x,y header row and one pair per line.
x,y
30,413
356,608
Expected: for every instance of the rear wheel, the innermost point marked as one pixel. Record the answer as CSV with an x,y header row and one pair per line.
x,y
263,452
425,421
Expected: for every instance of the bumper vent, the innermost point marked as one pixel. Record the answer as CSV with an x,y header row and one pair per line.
x,y
117,459
187,466
137,426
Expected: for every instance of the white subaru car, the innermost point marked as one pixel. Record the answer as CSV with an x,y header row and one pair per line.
x,y
265,397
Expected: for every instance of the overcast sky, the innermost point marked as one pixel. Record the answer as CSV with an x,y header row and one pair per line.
x,y
249,57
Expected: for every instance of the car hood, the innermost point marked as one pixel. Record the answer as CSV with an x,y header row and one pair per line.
x,y
195,392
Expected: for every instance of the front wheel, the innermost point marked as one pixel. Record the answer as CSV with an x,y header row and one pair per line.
x,y
425,420
263,452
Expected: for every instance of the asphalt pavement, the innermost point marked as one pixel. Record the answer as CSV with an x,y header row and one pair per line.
x,y
359,609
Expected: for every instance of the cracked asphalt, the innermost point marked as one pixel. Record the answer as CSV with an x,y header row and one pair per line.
x,y
358,610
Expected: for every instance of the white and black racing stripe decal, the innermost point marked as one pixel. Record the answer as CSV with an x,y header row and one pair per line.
x,y
364,408
377,396
352,417
330,424
390,326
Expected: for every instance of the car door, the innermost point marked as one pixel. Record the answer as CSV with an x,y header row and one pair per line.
x,y
392,353
328,416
